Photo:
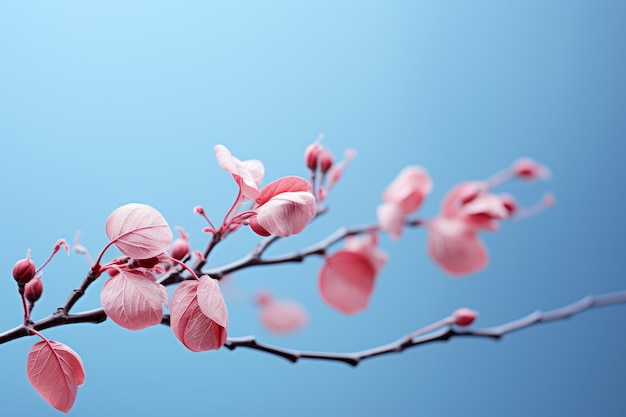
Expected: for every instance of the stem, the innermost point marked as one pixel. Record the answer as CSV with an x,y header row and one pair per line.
x,y
21,290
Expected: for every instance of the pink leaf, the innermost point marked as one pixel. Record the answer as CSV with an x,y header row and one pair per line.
x,y
287,213
391,219
346,281
197,331
246,174
133,299
55,371
138,231
211,301
367,246
455,246
282,316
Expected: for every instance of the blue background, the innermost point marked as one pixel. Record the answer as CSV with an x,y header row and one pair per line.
x,y
108,102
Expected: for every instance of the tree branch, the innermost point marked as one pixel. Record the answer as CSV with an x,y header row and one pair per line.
x,y
444,334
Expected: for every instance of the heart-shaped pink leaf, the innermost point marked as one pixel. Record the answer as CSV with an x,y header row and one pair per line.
x,y
139,231
197,331
211,301
287,213
346,281
55,371
133,299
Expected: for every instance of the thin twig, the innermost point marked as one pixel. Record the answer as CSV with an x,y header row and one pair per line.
x,y
444,334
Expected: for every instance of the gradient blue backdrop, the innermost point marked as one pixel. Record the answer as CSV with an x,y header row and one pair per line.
x,y
107,102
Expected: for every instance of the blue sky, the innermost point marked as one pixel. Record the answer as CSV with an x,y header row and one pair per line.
x,y
105,103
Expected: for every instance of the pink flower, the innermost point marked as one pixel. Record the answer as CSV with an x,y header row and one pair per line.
x,y
283,207
403,197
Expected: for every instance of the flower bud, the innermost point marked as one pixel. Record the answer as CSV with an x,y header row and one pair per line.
x,y
464,317
180,247
24,270
311,156
326,160
34,289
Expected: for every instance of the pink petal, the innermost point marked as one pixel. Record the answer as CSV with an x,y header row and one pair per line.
x,y
287,213
190,325
282,316
55,371
283,185
138,231
391,219
133,299
455,246
245,179
408,189
346,281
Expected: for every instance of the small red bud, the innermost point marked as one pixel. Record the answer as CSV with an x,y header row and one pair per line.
x,y
180,248
311,156
24,270
326,160
464,317
34,289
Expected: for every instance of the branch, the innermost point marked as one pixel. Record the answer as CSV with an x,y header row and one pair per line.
x,y
444,334
255,257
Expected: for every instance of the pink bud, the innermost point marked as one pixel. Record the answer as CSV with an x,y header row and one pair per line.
x,y
326,160
263,298
464,317
311,156
180,247
528,169
24,270
34,289
509,202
